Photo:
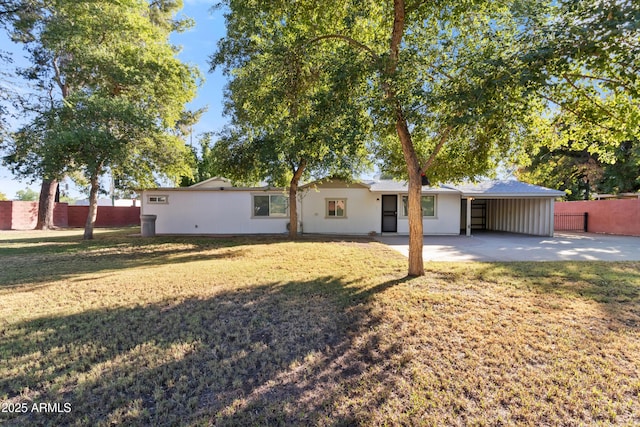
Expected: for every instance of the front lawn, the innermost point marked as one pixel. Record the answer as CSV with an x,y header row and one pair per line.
x,y
262,331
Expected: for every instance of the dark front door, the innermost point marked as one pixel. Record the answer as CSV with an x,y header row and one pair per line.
x,y
389,214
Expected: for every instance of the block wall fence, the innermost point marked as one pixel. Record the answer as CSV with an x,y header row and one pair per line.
x,y
618,216
15,215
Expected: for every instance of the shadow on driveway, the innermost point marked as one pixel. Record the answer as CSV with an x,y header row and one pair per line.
x,y
496,246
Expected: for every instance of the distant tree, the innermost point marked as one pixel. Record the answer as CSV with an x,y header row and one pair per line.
x,y
3,196
581,173
27,195
203,163
116,91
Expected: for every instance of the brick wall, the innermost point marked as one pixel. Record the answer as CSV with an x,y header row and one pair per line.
x,y
108,216
24,215
618,216
6,207
60,215
16,215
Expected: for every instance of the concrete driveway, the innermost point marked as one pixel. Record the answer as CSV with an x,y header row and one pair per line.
x,y
493,246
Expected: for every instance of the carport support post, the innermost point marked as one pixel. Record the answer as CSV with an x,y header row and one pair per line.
x,y
469,201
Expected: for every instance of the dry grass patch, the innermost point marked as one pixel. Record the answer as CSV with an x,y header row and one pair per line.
x,y
245,331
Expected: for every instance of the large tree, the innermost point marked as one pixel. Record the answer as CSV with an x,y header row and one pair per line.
x,y
587,61
115,92
290,117
444,91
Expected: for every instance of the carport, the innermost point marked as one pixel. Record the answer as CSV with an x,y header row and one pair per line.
x,y
509,206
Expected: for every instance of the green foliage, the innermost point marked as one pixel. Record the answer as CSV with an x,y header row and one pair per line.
x,y
587,58
581,173
110,62
203,162
114,92
3,197
27,195
287,101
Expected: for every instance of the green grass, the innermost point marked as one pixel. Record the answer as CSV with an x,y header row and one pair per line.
x,y
262,331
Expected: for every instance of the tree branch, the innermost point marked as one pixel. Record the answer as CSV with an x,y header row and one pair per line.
x,y
396,34
58,76
297,172
572,111
590,99
602,79
349,40
443,140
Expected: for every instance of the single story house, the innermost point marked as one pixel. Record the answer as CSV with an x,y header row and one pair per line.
x,y
215,206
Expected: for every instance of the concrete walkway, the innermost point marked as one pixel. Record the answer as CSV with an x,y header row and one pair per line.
x,y
491,246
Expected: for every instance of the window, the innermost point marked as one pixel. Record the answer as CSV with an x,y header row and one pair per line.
x,y
428,206
274,205
336,208
158,199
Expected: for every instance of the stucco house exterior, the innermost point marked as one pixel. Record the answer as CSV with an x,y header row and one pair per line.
x,y
215,206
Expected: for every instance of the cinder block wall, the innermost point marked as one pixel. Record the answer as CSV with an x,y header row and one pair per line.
x,y
618,216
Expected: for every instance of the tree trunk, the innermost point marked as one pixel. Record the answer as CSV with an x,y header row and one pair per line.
x,y
93,208
46,204
293,196
416,263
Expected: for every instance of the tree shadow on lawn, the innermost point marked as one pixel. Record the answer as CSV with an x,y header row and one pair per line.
x,y
280,353
66,257
614,285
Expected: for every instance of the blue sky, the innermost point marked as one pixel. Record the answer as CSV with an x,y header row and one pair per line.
x,y
197,45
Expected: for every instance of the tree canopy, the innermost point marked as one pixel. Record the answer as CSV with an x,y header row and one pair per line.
x,y
113,91
587,59
291,116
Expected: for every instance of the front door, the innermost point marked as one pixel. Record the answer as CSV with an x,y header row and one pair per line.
x,y
389,214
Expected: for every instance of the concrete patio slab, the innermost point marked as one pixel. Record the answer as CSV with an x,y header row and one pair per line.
x,y
490,246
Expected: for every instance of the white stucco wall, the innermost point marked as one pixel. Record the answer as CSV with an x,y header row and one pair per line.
x,y
363,211
446,221
210,212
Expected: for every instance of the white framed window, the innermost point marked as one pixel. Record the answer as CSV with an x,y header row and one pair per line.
x,y
158,199
270,205
336,208
428,204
